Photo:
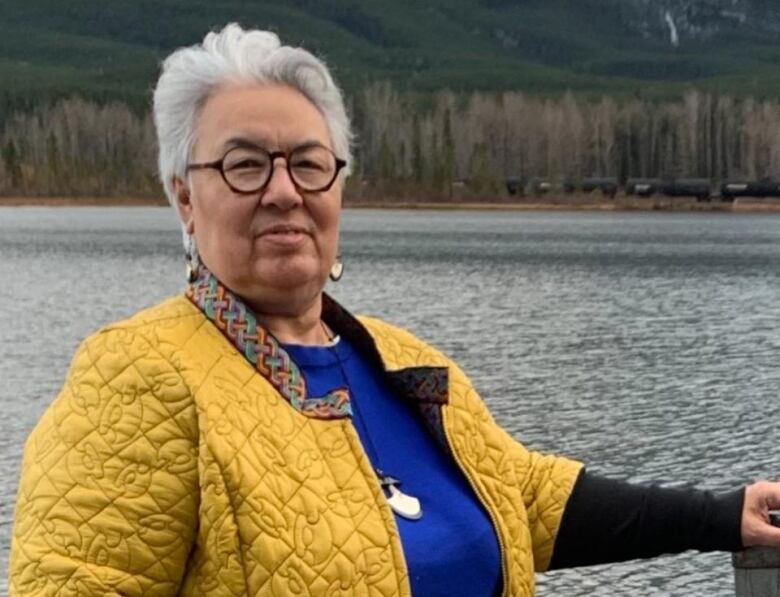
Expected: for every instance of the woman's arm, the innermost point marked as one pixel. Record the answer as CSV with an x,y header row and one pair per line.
x,y
108,497
611,521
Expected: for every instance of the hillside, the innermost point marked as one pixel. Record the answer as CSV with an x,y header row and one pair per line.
x,y
110,50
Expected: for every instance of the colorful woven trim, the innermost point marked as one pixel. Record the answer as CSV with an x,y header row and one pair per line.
x,y
239,325
428,389
423,384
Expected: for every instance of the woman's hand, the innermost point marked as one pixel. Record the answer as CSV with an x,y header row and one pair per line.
x,y
760,499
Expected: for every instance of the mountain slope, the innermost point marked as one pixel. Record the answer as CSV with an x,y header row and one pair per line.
x,y
111,50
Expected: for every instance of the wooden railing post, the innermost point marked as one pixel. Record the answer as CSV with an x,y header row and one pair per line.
x,y
757,569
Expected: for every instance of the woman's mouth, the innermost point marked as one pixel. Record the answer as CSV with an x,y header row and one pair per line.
x,y
284,235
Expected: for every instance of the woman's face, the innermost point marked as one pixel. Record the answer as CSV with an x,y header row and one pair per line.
x,y
274,247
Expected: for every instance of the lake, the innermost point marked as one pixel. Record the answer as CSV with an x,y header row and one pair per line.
x,y
645,344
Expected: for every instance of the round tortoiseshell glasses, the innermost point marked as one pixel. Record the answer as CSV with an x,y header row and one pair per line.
x,y
248,169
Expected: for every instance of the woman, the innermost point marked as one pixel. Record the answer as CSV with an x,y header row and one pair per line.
x,y
251,437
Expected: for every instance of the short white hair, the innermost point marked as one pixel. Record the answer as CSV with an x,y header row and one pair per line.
x,y
235,56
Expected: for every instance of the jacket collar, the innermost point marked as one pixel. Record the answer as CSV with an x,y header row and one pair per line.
x,y
425,386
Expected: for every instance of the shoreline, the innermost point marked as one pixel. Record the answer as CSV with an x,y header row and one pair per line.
x,y
656,204
81,202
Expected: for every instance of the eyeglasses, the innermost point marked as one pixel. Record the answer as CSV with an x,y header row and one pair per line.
x,y
248,169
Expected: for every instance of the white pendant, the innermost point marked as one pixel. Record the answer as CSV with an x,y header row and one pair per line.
x,y
404,505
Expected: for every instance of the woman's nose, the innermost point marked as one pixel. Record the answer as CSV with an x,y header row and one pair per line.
x,y
281,192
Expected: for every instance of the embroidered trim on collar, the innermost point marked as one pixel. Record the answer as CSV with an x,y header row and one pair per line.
x,y
239,325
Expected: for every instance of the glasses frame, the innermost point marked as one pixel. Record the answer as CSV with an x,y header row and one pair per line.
x,y
272,155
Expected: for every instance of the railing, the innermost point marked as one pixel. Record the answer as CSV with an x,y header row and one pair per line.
x,y
757,570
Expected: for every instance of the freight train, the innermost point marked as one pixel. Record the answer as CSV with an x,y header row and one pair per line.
x,y
701,189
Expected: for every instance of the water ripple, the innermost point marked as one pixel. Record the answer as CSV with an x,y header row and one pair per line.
x,y
644,344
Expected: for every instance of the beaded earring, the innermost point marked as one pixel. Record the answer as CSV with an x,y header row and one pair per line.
x,y
193,260
337,269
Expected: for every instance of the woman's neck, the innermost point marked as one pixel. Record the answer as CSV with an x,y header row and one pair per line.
x,y
293,317
301,328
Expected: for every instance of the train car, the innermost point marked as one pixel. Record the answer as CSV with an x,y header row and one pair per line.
x,y
760,189
607,185
643,187
515,185
539,186
700,188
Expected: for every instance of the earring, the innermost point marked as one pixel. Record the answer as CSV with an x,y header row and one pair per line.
x,y
193,260
337,269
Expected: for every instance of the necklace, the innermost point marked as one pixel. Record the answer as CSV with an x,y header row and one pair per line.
x,y
404,505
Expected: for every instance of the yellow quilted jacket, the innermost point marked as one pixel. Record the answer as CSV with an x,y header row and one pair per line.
x,y
168,466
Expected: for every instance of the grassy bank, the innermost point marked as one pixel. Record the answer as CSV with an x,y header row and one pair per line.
x,y
567,203
582,203
81,202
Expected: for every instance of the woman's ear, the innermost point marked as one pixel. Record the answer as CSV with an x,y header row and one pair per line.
x,y
183,204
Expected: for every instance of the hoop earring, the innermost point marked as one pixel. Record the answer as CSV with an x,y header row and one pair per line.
x,y
193,260
337,269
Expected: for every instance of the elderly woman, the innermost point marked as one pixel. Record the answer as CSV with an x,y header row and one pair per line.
x,y
252,437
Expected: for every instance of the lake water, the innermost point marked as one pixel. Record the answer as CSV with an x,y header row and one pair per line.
x,y
645,344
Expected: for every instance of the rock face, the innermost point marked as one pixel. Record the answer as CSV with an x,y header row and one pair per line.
x,y
681,22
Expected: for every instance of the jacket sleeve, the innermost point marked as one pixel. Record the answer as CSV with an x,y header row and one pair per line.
x,y
108,497
547,484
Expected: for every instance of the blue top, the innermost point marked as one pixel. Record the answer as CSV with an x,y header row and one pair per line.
x,y
452,550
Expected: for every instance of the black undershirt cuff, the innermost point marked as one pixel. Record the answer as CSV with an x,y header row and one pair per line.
x,y
612,521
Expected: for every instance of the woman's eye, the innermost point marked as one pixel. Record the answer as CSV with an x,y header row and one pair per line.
x,y
247,163
308,165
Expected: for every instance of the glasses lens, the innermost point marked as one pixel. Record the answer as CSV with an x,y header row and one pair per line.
x,y
246,169
313,168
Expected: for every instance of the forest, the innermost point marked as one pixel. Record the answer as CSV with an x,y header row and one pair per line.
x,y
418,146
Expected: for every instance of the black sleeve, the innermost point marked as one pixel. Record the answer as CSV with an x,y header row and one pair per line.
x,y
611,521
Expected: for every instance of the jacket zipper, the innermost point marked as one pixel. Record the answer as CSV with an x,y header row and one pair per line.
x,y
481,498
354,438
